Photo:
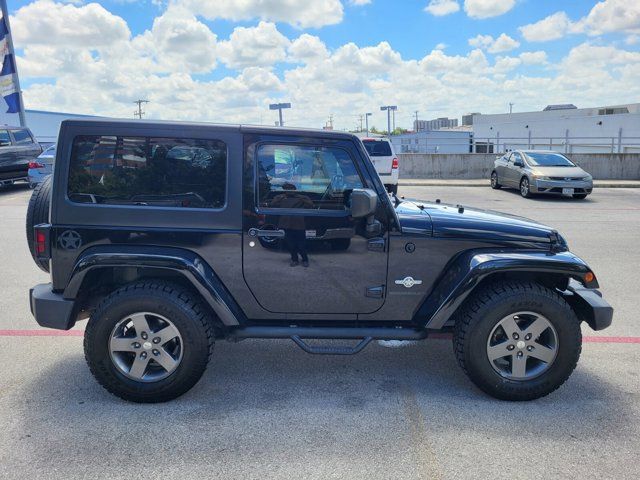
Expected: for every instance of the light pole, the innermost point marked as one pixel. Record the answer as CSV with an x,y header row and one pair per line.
x,y
389,109
279,107
366,120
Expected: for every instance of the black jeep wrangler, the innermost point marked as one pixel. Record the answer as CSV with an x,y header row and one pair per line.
x,y
169,236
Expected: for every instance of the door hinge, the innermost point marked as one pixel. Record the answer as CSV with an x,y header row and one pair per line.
x,y
377,244
375,292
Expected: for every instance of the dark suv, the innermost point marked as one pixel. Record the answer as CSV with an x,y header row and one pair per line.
x,y
18,148
157,233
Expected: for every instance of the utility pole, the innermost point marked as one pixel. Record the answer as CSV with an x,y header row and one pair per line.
x,y
511,107
416,113
279,107
361,118
366,118
10,51
139,113
389,109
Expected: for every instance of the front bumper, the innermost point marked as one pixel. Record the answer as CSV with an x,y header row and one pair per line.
x,y
556,186
50,309
589,305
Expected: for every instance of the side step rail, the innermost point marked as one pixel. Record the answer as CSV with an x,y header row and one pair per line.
x,y
331,350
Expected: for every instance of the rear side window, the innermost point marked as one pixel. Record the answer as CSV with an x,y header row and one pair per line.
x,y
148,171
4,138
22,137
377,148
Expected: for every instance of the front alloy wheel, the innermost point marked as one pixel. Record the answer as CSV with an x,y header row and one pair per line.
x,y
522,346
525,189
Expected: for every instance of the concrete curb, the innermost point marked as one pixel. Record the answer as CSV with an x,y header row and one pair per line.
x,y
485,183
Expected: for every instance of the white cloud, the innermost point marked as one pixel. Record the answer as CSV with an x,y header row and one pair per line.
x,y
307,48
534,58
552,27
487,8
442,7
44,22
503,43
104,77
605,17
359,3
178,41
632,39
300,13
612,16
262,45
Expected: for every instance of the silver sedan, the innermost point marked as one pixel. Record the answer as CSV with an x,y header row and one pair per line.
x,y
541,171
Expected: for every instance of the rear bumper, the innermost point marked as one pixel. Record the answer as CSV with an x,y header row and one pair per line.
x,y
590,305
390,178
50,309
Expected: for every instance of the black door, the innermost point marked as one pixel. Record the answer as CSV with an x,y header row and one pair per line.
x,y
302,251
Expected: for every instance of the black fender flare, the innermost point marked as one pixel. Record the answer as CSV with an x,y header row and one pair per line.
x,y
185,262
466,272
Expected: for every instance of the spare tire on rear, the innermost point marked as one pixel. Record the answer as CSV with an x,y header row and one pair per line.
x,y
37,213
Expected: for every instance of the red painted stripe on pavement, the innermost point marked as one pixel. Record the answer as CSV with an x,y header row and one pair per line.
x,y
433,336
41,333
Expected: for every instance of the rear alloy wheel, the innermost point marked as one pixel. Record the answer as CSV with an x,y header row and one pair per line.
x,y
517,340
149,341
525,188
494,181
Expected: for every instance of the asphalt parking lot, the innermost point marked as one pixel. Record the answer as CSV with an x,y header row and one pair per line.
x,y
265,409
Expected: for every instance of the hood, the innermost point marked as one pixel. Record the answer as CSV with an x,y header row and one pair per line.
x,y
451,221
563,172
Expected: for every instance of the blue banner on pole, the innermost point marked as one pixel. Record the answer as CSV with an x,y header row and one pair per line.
x,y
8,77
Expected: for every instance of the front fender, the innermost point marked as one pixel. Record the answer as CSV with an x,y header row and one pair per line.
x,y
185,262
465,273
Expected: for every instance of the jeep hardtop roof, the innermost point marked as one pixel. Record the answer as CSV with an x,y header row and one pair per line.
x,y
226,126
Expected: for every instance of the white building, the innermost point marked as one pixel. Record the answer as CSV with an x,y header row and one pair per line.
x,y
563,128
436,141
435,124
44,125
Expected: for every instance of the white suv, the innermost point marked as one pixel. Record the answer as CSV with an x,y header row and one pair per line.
x,y
385,160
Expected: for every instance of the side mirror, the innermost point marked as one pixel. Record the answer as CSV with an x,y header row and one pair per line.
x,y
364,202
518,163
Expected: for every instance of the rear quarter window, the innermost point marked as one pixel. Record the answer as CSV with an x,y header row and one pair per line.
x,y
5,139
22,137
148,171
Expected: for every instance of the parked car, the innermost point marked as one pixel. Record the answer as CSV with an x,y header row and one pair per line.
x,y
541,171
161,280
385,161
18,147
42,166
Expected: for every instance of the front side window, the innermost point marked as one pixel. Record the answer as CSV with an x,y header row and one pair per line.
x,y
294,176
22,136
148,171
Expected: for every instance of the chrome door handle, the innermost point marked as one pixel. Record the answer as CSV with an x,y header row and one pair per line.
x,y
256,232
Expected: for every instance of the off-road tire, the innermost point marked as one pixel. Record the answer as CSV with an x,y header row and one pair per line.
x,y
494,181
167,299
479,315
37,213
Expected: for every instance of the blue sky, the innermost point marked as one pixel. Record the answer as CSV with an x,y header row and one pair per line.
x,y
403,53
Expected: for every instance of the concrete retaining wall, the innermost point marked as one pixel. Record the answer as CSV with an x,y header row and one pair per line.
x,y
603,166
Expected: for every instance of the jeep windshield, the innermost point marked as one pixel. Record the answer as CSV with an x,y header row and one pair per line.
x,y
543,159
